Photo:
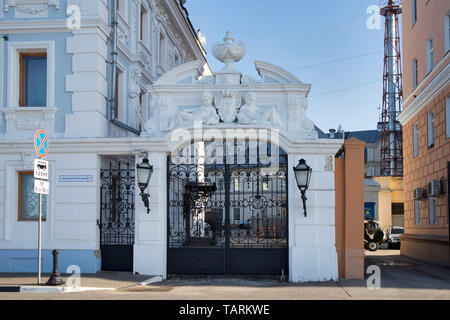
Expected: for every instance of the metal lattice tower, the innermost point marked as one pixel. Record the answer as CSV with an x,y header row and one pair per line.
x,y
391,130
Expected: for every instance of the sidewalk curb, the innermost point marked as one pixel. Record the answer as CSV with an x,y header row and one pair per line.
x,y
151,280
51,289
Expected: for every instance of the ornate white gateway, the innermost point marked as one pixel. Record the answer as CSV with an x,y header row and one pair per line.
x,y
191,111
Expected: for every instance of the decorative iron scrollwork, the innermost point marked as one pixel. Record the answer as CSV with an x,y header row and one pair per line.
x,y
227,205
117,188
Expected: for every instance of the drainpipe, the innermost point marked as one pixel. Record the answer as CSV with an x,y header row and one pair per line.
x,y
113,101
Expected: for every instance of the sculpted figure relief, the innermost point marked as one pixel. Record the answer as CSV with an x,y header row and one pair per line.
x,y
250,113
135,110
206,114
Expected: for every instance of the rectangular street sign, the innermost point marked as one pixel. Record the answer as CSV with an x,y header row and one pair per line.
x,y
41,187
40,169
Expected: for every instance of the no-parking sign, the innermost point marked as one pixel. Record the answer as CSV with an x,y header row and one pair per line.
x,y
41,143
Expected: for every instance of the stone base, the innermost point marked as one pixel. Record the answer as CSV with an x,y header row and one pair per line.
x,y
434,249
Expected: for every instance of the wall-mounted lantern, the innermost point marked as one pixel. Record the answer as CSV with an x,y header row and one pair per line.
x,y
303,175
144,172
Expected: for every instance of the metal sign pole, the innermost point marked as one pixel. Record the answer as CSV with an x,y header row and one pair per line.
x,y
39,239
40,176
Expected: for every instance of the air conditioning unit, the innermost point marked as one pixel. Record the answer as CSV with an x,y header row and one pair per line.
x,y
434,188
419,194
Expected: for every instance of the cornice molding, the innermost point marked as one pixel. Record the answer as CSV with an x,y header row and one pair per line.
x,y
18,26
428,93
117,146
432,74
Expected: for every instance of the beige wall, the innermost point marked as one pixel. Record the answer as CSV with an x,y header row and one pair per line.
x,y
429,23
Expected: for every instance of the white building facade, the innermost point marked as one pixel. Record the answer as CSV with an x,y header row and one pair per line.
x,y
168,104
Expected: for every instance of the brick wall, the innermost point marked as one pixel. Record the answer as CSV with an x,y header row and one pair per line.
x,y
430,164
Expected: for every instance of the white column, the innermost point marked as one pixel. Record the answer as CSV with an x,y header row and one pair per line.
x,y
150,249
312,250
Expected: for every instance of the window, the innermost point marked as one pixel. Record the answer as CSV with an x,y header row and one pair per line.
x,y
236,214
430,129
429,55
120,94
145,28
220,184
415,74
415,140
141,110
33,79
265,184
116,111
447,116
177,60
417,211
397,208
142,23
236,184
28,200
31,74
413,12
122,8
447,31
432,204
162,49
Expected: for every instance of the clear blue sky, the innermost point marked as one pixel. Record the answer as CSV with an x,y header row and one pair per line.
x,y
298,33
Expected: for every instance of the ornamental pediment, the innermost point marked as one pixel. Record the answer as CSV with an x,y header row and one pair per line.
x,y
186,95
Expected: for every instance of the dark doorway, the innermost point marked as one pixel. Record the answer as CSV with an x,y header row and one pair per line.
x,y
117,217
228,217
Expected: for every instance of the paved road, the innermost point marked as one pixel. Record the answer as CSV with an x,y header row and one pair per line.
x,y
401,278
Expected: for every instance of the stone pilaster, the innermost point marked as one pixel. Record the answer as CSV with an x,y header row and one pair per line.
x,y
88,82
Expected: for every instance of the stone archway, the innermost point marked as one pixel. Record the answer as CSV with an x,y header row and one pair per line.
x,y
187,104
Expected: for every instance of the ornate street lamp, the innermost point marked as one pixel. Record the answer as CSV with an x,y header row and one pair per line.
x,y
303,175
144,173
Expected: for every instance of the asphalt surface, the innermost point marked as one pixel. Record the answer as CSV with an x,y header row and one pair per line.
x,y
400,278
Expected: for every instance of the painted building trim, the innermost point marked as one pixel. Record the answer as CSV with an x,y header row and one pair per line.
x,y
428,93
118,146
25,260
39,26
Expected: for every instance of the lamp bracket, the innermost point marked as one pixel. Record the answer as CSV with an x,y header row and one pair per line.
x,y
140,155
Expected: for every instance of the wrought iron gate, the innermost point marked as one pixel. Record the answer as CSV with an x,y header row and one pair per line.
x,y
228,218
117,217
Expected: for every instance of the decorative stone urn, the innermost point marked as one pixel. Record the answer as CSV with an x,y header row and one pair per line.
x,y
228,52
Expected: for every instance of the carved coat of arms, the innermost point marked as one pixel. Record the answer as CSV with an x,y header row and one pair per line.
x,y
227,103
